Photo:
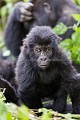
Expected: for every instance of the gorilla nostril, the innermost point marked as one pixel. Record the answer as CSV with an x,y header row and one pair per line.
x,y
44,59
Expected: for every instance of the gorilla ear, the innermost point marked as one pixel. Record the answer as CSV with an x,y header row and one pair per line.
x,y
24,43
47,7
59,40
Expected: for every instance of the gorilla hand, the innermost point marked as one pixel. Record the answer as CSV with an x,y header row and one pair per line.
x,y
23,11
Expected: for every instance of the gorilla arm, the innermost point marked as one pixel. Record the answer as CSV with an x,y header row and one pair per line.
x,y
15,31
9,93
27,87
71,81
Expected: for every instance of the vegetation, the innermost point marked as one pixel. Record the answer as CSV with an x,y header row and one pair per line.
x,y
9,111
71,46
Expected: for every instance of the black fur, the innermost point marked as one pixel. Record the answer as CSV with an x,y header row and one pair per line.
x,y
10,92
7,72
7,81
56,82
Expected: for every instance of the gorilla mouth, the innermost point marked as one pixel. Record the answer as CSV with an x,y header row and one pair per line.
x,y
43,66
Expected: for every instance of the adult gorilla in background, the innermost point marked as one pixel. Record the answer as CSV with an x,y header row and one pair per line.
x,y
37,12
9,92
7,81
43,70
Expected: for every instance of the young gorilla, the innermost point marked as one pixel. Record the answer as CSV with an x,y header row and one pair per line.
x,y
37,12
43,70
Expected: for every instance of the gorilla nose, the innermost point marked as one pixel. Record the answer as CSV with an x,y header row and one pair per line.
x,y
43,58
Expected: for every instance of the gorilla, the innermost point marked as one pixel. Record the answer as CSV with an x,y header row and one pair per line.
x,y
37,12
43,70
7,81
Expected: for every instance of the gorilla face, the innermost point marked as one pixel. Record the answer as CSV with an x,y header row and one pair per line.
x,y
43,53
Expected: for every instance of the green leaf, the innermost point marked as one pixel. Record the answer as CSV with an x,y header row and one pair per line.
x,y
2,108
66,44
60,29
8,1
76,17
78,30
23,113
3,11
75,27
9,116
76,38
77,2
26,0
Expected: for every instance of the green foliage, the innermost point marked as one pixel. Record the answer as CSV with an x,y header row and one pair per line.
x,y
46,114
60,29
7,9
77,2
8,1
10,111
76,17
26,0
3,11
71,46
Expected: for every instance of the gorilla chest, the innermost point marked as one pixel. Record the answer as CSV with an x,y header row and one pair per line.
x,y
48,85
48,77
48,90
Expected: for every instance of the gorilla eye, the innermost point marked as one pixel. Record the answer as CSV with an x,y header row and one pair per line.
x,y
38,50
48,49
